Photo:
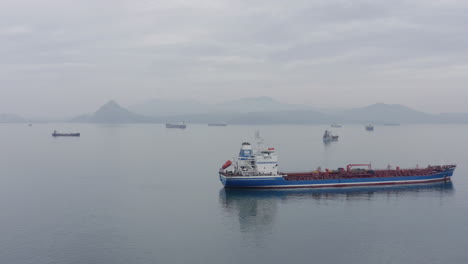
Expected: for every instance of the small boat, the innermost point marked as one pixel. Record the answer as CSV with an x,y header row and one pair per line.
x,y
370,127
57,134
258,168
328,136
217,124
181,125
335,125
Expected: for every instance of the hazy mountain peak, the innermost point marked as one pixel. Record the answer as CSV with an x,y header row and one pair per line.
x,y
111,104
111,108
385,105
112,112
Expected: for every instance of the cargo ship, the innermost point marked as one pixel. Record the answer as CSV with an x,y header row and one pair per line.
x,y
217,124
258,168
181,125
57,134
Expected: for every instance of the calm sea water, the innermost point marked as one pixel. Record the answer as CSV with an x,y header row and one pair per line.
x,y
147,194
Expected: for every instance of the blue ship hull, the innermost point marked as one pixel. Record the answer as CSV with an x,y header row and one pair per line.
x,y
280,182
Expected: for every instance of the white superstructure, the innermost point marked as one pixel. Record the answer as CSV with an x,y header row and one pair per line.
x,y
251,161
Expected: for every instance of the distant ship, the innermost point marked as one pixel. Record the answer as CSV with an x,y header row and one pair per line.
x,y
57,134
328,136
217,124
370,127
182,125
258,168
335,125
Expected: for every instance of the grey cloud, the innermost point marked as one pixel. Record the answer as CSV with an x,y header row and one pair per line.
x,y
209,50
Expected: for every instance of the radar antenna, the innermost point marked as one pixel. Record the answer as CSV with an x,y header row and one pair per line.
x,y
258,138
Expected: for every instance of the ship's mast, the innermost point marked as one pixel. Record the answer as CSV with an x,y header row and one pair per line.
x,y
259,141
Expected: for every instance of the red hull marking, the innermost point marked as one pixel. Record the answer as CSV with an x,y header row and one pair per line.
x,y
338,185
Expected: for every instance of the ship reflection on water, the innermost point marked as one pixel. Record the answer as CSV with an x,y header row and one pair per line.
x,y
230,197
256,209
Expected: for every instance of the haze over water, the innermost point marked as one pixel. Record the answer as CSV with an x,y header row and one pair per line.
x,y
147,194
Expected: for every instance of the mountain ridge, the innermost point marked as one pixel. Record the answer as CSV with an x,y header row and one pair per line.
x,y
11,118
379,113
158,107
264,110
386,113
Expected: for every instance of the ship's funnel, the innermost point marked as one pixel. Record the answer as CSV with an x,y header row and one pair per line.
x,y
245,151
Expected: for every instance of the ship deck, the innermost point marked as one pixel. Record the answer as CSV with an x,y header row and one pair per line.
x,y
355,174
351,174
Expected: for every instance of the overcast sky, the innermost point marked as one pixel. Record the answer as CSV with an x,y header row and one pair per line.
x,y
72,56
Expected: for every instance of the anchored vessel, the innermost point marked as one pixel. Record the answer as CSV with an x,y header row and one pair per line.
x,y
217,124
182,125
258,168
370,127
56,134
328,136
